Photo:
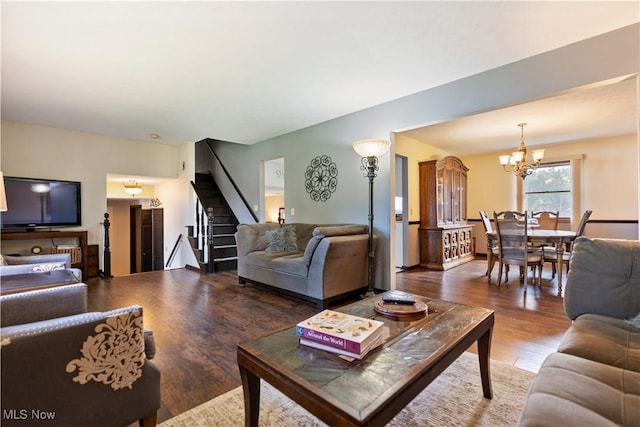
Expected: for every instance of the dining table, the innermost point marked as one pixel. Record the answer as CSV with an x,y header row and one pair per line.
x,y
560,239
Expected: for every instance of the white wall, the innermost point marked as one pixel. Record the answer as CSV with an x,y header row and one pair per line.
x,y
44,152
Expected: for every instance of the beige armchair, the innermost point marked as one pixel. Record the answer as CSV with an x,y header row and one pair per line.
x,y
72,367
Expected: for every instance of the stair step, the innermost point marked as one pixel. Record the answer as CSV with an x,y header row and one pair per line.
x,y
231,258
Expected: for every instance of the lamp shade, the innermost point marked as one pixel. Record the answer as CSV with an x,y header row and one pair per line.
x,y
371,147
3,195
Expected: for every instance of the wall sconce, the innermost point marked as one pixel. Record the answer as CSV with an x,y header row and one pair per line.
x,y
132,187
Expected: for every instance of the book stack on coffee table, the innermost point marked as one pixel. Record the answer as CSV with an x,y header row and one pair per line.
x,y
340,333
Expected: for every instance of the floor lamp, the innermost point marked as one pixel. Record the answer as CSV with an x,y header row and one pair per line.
x,y
370,150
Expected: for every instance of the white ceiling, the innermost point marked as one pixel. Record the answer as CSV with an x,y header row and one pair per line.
x,y
602,110
249,71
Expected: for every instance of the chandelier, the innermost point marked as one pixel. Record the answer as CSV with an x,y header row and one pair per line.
x,y
132,187
517,161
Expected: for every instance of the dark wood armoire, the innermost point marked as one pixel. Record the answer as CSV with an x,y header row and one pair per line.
x,y
445,236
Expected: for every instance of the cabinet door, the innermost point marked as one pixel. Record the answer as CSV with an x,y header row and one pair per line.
x,y
463,196
448,196
440,184
456,195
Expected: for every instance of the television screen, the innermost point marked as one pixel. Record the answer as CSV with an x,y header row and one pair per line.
x,y
35,202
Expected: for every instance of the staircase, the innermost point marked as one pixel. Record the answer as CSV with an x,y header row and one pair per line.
x,y
212,239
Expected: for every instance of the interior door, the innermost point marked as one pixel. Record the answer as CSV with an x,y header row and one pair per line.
x,y
147,239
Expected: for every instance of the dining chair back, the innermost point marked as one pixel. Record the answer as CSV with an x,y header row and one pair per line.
x,y
583,222
513,249
552,256
492,243
486,222
547,220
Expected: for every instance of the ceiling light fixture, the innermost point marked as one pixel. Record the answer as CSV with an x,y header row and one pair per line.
x,y
517,161
132,187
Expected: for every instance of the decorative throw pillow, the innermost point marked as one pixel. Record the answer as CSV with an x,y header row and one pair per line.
x,y
282,239
2,261
50,266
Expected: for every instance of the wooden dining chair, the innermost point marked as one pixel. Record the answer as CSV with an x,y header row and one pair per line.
x,y
492,243
513,249
547,220
550,255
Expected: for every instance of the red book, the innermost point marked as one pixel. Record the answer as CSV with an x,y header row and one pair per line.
x,y
343,331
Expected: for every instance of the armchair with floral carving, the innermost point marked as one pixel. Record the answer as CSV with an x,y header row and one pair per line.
x,y
73,368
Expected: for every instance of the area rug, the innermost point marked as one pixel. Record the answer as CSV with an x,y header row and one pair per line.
x,y
453,399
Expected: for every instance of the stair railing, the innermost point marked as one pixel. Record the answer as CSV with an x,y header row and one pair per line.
x,y
205,155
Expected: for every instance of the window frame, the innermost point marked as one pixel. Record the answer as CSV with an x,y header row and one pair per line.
x,y
575,161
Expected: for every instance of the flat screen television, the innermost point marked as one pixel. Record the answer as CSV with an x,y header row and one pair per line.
x,y
38,203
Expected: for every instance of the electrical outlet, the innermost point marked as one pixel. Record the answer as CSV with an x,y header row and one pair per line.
x,y
256,208
293,211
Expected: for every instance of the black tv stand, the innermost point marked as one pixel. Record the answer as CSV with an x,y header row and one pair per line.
x,y
27,230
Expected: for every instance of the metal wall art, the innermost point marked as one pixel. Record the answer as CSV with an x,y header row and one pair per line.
x,y
321,178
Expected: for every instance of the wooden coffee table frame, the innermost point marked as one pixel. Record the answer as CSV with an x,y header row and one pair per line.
x,y
255,364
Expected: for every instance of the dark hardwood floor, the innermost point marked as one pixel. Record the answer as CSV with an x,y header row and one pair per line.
x,y
199,320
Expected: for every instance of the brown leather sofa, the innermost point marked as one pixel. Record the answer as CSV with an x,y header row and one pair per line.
x,y
64,366
594,378
323,263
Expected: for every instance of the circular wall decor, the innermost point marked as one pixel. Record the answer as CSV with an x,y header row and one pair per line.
x,y
321,178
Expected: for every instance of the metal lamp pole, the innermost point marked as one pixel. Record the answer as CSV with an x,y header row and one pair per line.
x,y
370,166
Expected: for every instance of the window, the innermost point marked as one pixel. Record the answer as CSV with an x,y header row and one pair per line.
x,y
550,188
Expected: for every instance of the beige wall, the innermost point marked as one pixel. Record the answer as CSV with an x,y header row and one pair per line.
x,y
609,179
272,205
119,237
416,152
609,183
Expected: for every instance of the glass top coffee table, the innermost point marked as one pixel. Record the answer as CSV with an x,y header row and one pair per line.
x,y
373,390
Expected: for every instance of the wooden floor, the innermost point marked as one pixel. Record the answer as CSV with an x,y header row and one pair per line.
x,y
199,320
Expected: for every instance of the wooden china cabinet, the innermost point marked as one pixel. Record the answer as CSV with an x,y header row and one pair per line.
x,y
445,236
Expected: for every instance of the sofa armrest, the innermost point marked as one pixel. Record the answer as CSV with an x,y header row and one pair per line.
x,y
604,278
340,264
86,368
43,304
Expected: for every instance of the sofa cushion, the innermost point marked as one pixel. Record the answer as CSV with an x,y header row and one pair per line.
x,y
572,391
290,264
282,239
262,258
604,339
603,278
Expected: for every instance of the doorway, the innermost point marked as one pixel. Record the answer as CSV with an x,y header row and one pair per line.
x,y
274,207
401,212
